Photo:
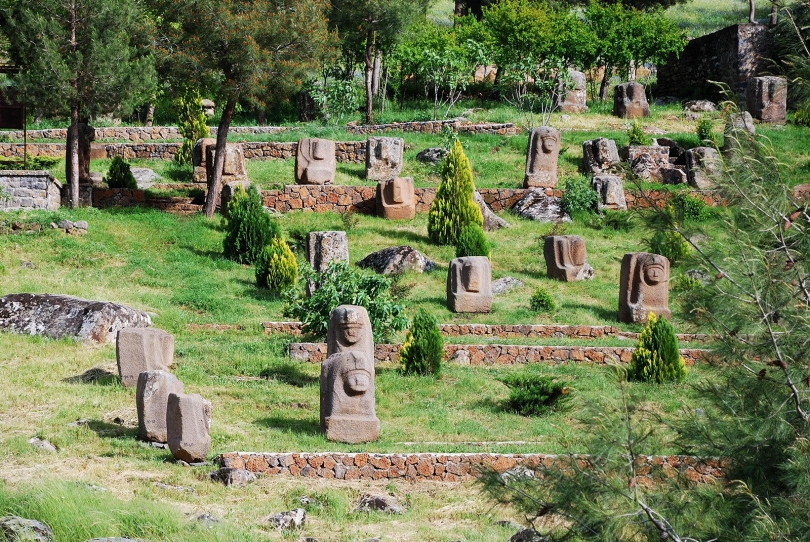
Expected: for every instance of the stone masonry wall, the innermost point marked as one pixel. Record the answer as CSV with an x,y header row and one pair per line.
x,y
29,190
435,127
451,467
732,55
502,354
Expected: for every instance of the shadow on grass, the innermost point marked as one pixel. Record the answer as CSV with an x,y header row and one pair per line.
x,y
603,313
102,376
401,235
352,172
289,374
573,160
111,430
259,294
212,254
309,426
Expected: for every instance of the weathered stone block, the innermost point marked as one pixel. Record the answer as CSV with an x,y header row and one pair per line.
x,y
566,258
599,155
611,192
766,98
151,398
395,199
643,287
188,426
142,349
702,166
315,161
573,100
630,101
469,285
384,157
541,158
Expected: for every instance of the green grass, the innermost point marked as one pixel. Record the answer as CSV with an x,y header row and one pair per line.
x,y
700,17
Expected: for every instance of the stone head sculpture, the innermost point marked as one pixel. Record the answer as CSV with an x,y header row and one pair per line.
x,y
643,287
630,101
541,158
469,285
315,161
566,258
384,157
347,378
395,199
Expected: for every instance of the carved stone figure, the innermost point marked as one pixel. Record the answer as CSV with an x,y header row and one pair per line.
x,y
611,192
599,155
347,378
151,398
630,101
573,100
469,285
188,427
315,161
566,258
643,287
323,248
384,157
702,164
233,169
541,158
395,199
767,98
142,349
199,155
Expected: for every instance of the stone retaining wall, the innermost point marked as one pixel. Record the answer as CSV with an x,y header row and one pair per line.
x,y
501,354
29,189
451,467
435,127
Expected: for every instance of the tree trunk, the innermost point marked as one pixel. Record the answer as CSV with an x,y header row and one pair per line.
x,y
72,154
752,8
215,182
369,77
375,77
150,114
604,88
87,134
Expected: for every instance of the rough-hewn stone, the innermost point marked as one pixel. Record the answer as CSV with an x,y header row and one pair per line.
x,y
599,155
537,204
630,101
188,426
395,260
566,258
142,349
573,100
492,221
702,166
384,157
315,162
643,287
767,98
151,399
395,199
611,192
469,284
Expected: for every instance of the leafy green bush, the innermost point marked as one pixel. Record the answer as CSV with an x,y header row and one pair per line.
x,y
533,395
637,135
578,196
276,267
336,98
119,175
688,208
472,242
670,244
340,284
453,208
656,357
541,301
422,352
248,227
191,124
802,116
704,132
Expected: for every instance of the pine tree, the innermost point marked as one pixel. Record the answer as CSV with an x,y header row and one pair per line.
x,y
453,208
191,124
422,352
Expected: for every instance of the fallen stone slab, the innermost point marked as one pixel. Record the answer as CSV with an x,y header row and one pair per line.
x,y
15,528
394,260
59,316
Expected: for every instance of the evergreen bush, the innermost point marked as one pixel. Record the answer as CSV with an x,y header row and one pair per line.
x,y
119,175
541,301
532,394
656,357
637,135
472,242
688,208
191,124
703,129
579,196
670,244
422,352
248,227
453,208
276,267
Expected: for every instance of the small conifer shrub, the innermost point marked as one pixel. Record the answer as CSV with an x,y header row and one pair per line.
x,y
248,227
472,242
453,208
276,267
191,123
119,175
541,301
533,395
704,131
637,135
422,352
656,357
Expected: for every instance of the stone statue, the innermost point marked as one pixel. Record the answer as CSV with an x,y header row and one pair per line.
x,y
541,158
630,101
384,157
643,287
566,258
766,98
395,199
469,285
315,161
573,100
347,378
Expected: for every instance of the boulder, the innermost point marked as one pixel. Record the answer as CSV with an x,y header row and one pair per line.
x,y
231,476
142,349
573,100
384,157
672,175
60,316
630,101
394,260
17,529
527,535
599,155
505,284
432,155
700,106
382,503
702,165
286,521
536,205
492,221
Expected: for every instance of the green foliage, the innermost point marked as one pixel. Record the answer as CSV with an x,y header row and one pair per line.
x,y
422,352
349,219
336,98
802,116
578,196
119,175
670,244
248,227
656,357
33,162
276,266
340,284
637,135
705,132
688,208
541,301
191,123
532,394
453,208
472,242
612,220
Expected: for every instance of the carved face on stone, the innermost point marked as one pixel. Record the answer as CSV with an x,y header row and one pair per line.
x,y
394,192
471,278
318,150
550,143
653,270
351,326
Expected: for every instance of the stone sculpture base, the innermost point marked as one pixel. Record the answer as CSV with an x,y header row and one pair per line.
x,y
352,429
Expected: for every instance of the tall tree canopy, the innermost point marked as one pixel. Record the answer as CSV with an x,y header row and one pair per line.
x,y
78,58
239,50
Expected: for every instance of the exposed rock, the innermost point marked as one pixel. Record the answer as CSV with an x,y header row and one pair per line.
x,y
573,100
460,357
207,520
700,106
536,205
702,166
675,150
17,529
766,98
672,175
599,155
433,155
382,503
144,176
293,519
393,260
527,535
233,477
59,316
505,284
492,221
80,225
42,444
611,192
469,284
630,101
